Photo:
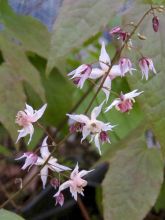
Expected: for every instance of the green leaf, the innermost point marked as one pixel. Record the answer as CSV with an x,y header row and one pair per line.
x,y
77,21
4,150
18,62
133,182
7,215
12,98
25,30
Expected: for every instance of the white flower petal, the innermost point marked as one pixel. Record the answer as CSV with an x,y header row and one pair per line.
x,y
83,78
30,130
57,167
44,148
44,175
25,131
74,193
39,161
96,73
104,58
85,132
38,114
29,110
62,187
97,143
115,102
74,172
71,73
107,87
132,94
79,118
84,172
96,111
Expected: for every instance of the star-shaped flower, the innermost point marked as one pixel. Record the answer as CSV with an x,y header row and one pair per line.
x,y
125,102
76,184
26,119
93,127
51,163
105,63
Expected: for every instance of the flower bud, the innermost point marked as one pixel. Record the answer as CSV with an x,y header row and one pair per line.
x,y
54,182
60,199
104,136
155,23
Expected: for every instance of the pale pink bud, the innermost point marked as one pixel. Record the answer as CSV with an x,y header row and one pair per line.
x,y
60,199
146,64
155,23
125,65
115,30
104,136
55,182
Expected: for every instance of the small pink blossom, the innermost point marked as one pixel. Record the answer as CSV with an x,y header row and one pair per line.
x,y
30,160
54,182
26,118
146,64
75,183
104,137
92,126
51,163
125,102
81,74
155,23
115,30
60,199
125,65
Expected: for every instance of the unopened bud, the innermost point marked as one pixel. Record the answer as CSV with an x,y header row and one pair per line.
x,y
155,23
160,10
141,37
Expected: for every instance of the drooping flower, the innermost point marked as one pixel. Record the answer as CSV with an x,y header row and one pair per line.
x,y
26,118
75,183
146,64
125,65
93,127
115,71
30,160
60,199
155,23
51,163
80,75
125,102
55,182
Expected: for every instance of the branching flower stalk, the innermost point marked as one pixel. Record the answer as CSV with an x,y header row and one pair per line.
x,y
88,126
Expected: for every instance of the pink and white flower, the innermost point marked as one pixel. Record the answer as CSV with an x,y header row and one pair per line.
x,y
125,102
93,127
60,199
125,65
80,75
26,118
30,160
115,71
76,184
51,163
146,64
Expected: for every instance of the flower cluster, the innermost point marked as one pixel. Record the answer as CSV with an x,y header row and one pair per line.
x,y
46,161
89,126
